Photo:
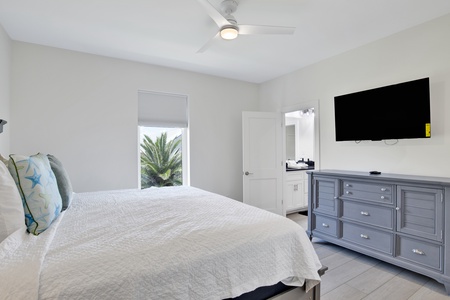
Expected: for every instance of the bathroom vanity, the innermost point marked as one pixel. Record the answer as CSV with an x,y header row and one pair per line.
x,y
296,190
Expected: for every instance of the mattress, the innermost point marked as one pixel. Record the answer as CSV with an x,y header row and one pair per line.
x,y
157,243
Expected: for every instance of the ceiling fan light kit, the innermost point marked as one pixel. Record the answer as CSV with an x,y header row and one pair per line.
x,y
229,32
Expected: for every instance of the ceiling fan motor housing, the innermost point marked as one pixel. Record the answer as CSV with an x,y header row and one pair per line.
x,y
229,6
232,20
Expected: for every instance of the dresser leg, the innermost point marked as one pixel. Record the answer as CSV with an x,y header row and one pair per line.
x,y
447,287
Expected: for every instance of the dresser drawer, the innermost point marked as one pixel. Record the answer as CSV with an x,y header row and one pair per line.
x,y
368,237
326,225
367,191
419,252
369,214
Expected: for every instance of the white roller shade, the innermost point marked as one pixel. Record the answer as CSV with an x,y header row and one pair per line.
x,y
162,110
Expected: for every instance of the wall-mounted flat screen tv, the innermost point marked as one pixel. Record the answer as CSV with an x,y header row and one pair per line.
x,y
398,111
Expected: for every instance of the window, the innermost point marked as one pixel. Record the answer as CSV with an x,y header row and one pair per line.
x,y
163,139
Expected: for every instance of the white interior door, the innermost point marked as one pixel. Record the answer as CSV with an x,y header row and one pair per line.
x,y
262,160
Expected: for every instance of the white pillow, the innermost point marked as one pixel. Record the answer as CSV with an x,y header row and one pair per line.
x,y
4,160
12,215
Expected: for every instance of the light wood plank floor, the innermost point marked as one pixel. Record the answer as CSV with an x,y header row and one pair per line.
x,y
353,276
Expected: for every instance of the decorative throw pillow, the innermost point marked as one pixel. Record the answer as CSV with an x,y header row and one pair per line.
x,y
62,178
12,217
38,188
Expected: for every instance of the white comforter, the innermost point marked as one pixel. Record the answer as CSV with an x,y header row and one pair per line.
x,y
159,243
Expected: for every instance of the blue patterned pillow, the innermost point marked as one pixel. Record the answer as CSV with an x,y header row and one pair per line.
x,y
38,188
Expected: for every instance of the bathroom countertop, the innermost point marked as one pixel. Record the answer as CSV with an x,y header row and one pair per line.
x,y
303,169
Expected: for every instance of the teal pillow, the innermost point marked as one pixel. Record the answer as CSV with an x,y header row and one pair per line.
x,y
38,188
62,178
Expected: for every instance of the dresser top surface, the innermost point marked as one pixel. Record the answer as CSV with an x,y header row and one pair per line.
x,y
384,176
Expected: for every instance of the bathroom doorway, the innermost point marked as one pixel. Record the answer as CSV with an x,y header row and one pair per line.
x,y
301,152
301,133
299,130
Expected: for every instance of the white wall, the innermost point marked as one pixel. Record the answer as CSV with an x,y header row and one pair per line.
x,y
5,74
83,109
423,51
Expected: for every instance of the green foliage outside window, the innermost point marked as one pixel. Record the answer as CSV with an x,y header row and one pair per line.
x,y
161,163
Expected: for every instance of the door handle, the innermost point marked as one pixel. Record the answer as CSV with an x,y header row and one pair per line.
x,y
247,173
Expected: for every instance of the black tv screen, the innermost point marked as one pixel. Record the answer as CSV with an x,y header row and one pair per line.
x,y
398,111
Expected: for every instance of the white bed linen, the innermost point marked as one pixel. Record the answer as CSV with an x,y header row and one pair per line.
x,y
21,257
162,243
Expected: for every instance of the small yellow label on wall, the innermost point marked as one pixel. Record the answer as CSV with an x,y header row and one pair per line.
x,y
427,130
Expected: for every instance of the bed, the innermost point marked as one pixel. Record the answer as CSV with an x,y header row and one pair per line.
x,y
158,243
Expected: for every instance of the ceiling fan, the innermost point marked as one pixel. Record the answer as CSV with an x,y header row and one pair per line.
x,y
229,29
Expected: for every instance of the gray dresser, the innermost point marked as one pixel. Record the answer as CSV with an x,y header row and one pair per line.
x,y
396,218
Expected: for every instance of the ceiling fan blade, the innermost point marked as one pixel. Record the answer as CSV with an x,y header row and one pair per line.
x,y
262,29
214,13
209,43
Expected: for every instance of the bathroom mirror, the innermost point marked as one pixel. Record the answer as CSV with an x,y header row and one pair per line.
x,y
290,142
300,134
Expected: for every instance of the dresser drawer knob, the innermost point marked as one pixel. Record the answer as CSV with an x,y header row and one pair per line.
x,y
417,251
348,192
364,236
325,225
382,197
347,185
365,213
383,189
397,208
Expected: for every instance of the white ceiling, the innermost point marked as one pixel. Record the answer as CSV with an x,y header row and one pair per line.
x,y
169,32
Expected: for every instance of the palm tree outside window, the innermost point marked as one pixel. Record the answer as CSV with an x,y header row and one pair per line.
x,y
161,156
